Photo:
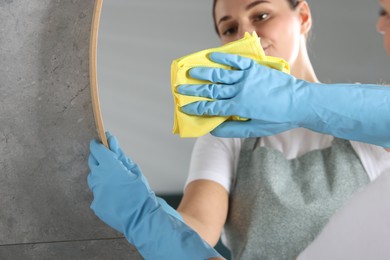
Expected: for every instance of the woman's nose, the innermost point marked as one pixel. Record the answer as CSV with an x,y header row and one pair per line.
x,y
380,25
246,28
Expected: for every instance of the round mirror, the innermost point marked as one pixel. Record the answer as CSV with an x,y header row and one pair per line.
x,y
139,39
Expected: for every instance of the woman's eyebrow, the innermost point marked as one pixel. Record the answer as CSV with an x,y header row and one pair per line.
x,y
248,7
223,19
253,4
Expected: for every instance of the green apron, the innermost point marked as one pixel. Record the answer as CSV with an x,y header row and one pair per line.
x,y
278,206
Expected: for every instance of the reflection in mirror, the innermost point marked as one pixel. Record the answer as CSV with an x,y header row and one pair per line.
x,y
139,39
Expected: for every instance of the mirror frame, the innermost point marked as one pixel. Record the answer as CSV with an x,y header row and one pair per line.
x,y
93,72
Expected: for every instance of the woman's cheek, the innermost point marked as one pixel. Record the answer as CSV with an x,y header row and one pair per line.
x,y
387,42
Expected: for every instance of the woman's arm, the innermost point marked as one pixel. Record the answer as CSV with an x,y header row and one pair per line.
x,y
124,201
355,112
204,208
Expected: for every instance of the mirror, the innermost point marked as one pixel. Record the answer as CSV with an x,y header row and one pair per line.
x,y
139,39
137,42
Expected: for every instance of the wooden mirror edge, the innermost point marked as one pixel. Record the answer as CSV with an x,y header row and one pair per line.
x,y
93,72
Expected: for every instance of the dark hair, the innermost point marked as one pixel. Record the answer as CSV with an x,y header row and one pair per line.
x,y
293,4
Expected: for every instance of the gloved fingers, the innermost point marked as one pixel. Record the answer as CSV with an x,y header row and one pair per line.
x,y
134,169
129,164
232,60
92,162
115,147
91,181
210,108
216,75
100,152
247,129
113,143
108,134
214,91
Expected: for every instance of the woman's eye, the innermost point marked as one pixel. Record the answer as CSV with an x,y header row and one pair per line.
x,y
382,12
229,31
261,17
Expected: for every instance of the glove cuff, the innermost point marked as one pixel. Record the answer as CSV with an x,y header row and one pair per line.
x,y
162,236
168,209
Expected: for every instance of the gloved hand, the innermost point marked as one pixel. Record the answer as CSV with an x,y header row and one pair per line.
x,y
124,201
275,102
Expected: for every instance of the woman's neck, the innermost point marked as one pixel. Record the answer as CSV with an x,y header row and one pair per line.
x,y
302,68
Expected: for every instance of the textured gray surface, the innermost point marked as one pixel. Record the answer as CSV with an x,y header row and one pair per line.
x,y
77,250
46,122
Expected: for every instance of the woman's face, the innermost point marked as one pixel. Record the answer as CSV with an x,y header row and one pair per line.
x,y
383,25
279,26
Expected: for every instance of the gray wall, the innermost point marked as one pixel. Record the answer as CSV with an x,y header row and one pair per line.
x,y
46,123
345,46
139,39
46,117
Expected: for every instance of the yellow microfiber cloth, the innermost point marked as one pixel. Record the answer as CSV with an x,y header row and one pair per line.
x,y
194,126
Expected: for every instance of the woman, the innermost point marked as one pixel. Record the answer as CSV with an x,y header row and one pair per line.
x,y
272,215
284,187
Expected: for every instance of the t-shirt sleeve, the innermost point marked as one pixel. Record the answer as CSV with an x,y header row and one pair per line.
x,y
375,159
214,159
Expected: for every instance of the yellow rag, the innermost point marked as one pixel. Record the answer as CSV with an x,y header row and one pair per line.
x,y
194,126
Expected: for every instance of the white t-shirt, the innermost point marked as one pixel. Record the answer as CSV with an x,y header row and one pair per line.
x,y
216,159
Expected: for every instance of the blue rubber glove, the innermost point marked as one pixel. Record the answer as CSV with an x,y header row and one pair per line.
x,y
275,102
124,201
